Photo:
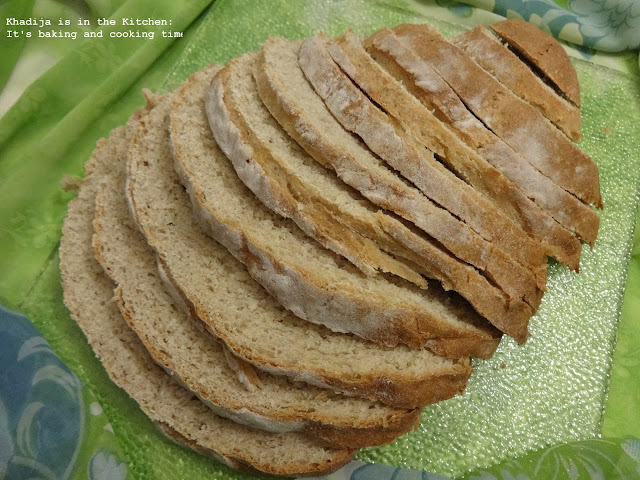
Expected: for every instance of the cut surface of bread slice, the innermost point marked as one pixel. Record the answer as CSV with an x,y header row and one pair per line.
x,y
288,181
516,122
199,362
426,85
302,113
494,57
280,59
405,315
239,311
544,52
88,295
348,52
493,235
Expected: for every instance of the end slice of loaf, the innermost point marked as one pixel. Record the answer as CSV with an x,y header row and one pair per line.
x,y
544,52
349,53
88,295
519,124
426,85
494,57
240,312
467,224
199,362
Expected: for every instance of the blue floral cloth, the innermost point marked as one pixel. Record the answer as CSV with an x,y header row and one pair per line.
x,y
51,426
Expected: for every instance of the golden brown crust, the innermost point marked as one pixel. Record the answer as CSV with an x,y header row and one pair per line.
x,y
374,436
487,51
544,52
387,138
519,124
435,94
337,462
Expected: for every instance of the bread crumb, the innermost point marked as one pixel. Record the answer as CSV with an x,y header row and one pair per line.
x,y
503,365
607,130
71,184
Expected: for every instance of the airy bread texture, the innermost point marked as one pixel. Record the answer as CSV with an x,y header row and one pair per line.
x,y
292,100
240,312
199,362
425,84
396,314
88,295
287,180
519,124
494,57
349,53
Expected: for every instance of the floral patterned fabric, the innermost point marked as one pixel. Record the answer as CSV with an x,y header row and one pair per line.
x,y
608,25
51,425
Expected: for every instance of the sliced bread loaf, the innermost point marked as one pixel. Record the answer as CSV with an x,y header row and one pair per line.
x,y
494,57
303,114
414,317
514,260
240,312
288,181
426,85
199,362
88,295
516,122
348,52
545,54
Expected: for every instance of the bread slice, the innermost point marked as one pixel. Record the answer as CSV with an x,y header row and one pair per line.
x,y
519,124
88,295
303,114
404,315
494,234
199,362
240,312
494,57
545,54
348,52
426,85
291,183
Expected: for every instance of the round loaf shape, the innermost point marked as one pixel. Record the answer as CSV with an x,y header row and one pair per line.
x,y
240,312
88,295
199,362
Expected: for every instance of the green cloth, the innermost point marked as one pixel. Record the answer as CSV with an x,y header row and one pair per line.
x,y
549,392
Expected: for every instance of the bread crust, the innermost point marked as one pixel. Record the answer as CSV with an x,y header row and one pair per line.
x,y
357,114
349,53
494,57
436,263
242,465
87,294
430,378
544,52
426,85
519,124
115,243
284,193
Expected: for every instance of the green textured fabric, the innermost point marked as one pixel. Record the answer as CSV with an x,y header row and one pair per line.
x,y
11,48
622,415
549,392
53,127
